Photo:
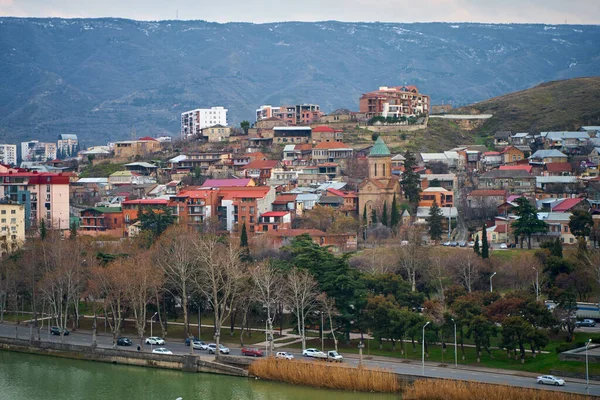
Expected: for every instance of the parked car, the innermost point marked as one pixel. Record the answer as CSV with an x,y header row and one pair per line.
x,y
162,350
550,380
251,351
446,243
189,340
462,244
503,246
314,353
199,345
284,355
123,341
155,340
55,330
334,356
212,349
586,322
470,244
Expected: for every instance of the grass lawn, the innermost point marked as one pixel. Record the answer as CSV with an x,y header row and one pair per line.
x,y
542,363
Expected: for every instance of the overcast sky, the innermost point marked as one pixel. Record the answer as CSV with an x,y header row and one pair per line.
x,y
500,11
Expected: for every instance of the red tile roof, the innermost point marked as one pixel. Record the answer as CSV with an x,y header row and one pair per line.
x,y
523,167
274,214
226,182
285,198
261,164
256,192
487,192
323,128
491,153
336,192
567,205
147,139
194,193
332,145
558,167
146,201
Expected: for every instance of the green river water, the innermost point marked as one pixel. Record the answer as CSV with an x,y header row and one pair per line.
x,y
25,377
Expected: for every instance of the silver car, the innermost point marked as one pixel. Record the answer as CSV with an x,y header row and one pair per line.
x,y
284,355
550,380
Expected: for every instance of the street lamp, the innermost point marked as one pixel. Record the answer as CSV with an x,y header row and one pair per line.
x,y
537,284
455,348
152,323
361,346
587,376
423,350
491,288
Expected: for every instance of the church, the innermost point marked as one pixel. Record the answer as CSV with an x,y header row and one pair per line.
x,y
381,185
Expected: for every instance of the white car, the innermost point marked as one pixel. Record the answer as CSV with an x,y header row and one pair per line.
x,y
503,246
334,356
212,349
284,355
199,345
154,340
314,353
162,350
550,380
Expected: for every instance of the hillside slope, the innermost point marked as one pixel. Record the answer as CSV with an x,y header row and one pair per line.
x,y
98,77
558,105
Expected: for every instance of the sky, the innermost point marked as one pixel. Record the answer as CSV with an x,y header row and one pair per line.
x,y
258,11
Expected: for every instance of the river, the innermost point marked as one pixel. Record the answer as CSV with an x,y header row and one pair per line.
x,y
25,377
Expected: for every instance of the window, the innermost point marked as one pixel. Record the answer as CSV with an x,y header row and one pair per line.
x,y
13,237
126,218
566,230
13,220
3,220
13,211
3,212
251,210
47,188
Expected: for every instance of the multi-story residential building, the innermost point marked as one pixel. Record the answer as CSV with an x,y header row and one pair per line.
x,y
330,151
102,221
260,169
292,134
397,101
555,140
542,157
438,195
12,226
8,154
129,149
326,134
35,150
298,114
132,210
216,133
244,205
44,195
193,121
514,181
196,206
67,145
274,221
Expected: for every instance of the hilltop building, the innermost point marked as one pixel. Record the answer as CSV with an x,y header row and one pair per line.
x,y
397,101
68,145
193,121
298,114
35,150
8,154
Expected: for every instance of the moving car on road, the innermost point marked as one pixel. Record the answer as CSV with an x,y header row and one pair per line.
x,y
251,351
162,350
550,380
284,355
154,340
586,322
212,349
199,345
503,246
55,330
314,353
123,341
334,356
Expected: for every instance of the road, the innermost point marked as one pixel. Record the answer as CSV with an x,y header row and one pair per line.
x,y
431,369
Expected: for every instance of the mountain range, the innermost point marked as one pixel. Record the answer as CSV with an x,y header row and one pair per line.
x,y
98,78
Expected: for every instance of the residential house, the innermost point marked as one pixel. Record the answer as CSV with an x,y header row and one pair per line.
x,y
564,140
196,206
129,178
142,168
448,214
142,147
437,195
501,138
102,221
336,243
572,204
548,156
244,205
492,159
216,133
522,167
288,202
260,170
194,121
282,176
450,158
518,181
344,201
133,208
234,182
330,152
238,161
274,220
486,198
297,154
292,134
521,139
12,226
394,102
591,130
544,182
558,169
558,226
594,155
512,155
446,181
326,134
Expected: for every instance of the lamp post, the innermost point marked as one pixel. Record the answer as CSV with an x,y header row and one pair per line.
x,y
537,284
423,351
361,346
491,287
587,376
152,323
455,348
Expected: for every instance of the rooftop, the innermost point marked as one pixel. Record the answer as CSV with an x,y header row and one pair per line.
x,y
379,149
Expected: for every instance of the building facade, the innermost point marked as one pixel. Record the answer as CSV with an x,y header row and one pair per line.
x,y
193,121
298,114
35,150
12,226
395,102
68,145
8,154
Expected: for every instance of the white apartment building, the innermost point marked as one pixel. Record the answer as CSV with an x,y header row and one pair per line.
x,y
8,154
266,111
35,150
12,226
192,122
67,144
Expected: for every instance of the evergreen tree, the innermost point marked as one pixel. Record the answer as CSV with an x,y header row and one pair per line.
x,y
476,247
43,230
245,125
528,223
485,250
365,218
435,222
244,236
410,183
73,231
395,214
374,217
156,220
384,214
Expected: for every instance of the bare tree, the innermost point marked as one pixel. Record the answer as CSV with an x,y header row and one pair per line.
x,y
175,254
413,256
328,306
268,282
302,296
219,277
439,272
591,262
466,268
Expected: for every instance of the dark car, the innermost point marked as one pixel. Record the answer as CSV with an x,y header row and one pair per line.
x,y
253,352
189,340
123,341
55,330
586,322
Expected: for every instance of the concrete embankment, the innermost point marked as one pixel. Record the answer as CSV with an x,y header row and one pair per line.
x,y
186,363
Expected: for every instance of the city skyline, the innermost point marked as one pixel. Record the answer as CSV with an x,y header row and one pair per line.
x,y
510,11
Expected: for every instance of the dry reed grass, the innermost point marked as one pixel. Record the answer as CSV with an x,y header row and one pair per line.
x,y
459,390
324,375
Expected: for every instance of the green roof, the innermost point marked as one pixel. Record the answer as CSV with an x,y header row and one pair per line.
x,y
105,210
379,149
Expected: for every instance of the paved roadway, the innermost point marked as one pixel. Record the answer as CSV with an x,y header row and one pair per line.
x,y
414,368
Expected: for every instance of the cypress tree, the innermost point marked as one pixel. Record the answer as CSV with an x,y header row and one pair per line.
x,y
485,251
395,214
374,217
244,236
43,230
435,222
476,247
365,218
384,214
73,231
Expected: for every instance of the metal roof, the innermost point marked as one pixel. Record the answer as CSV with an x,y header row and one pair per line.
x,y
379,149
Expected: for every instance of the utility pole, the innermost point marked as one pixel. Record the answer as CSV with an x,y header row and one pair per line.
x,y
423,350
491,288
455,347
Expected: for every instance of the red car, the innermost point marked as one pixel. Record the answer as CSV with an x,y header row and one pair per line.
x,y
248,351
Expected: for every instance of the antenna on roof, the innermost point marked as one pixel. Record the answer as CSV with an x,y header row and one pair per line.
x,y
133,133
